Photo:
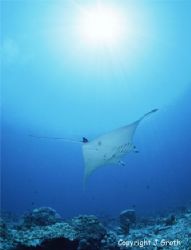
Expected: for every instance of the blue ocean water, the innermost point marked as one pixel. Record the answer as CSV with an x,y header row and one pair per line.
x,y
55,86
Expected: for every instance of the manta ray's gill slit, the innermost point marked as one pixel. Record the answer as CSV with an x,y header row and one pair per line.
x,y
121,148
113,155
126,147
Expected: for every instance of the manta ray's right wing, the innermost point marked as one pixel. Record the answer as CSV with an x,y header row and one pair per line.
x,y
111,147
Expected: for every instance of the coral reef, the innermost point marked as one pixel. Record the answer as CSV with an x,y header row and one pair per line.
x,y
126,219
170,220
43,216
43,229
88,227
3,229
89,231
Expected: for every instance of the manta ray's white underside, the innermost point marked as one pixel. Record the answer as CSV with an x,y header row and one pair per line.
x,y
109,148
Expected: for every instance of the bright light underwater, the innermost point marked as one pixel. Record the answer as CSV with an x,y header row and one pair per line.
x,y
101,25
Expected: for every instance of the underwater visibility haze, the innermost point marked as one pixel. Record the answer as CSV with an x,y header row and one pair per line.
x,y
74,69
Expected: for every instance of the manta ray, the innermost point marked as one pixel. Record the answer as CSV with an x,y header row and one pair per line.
x,y
106,149
110,148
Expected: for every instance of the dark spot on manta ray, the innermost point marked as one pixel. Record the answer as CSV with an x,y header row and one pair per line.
x,y
84,140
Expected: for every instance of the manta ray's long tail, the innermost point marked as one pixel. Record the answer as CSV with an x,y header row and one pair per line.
x,y
56,138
